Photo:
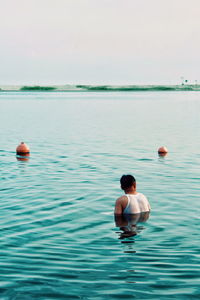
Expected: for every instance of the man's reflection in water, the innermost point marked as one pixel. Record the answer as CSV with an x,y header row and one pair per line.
x,y
128,224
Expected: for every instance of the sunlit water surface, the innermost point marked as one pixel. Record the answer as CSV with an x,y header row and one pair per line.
x,y
58,235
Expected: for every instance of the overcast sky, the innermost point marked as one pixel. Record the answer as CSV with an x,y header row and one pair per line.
x,y
99,41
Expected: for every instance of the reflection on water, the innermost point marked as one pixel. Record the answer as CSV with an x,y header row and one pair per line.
x,y
129,224
24,157
162,154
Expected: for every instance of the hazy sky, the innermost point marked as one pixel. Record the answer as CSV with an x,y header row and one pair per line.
x,y
99,41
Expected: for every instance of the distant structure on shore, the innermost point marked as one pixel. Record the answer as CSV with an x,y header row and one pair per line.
x,y
185,81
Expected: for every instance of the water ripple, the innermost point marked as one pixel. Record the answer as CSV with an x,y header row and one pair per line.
x,y
58,236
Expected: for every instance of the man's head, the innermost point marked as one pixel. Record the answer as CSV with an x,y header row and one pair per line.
x,y
127,182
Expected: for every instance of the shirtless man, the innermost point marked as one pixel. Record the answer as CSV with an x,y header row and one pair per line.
x,y
132,202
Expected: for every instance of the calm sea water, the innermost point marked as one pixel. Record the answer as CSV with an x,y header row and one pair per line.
x,y
59,239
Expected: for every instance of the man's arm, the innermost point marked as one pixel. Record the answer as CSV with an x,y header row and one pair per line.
x,y
118,207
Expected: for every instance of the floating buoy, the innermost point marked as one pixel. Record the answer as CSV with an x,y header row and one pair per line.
x,y
22,149
162,151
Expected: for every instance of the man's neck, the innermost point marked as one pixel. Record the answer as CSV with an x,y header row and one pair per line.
x,y
131,191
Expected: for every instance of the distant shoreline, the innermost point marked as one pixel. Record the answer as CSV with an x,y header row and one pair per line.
x,y
99,88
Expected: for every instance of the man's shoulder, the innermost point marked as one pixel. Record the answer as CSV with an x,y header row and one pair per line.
x,y
121,198
142,197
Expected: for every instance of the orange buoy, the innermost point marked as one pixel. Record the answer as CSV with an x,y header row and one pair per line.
x,y
22,149
162,151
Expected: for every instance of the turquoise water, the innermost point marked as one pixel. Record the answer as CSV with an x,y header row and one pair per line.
x,y
58,236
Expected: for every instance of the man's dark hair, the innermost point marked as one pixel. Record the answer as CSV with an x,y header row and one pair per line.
x,y
127,181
